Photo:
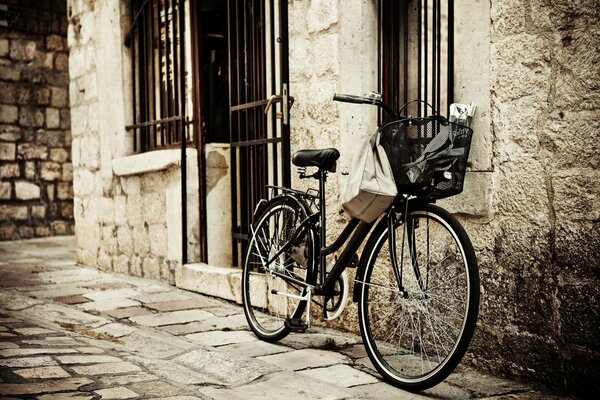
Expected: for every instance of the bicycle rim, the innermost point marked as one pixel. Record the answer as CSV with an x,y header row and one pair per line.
x,y
266,311
417,336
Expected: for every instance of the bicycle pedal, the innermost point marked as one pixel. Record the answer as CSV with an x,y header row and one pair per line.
x,y
295,325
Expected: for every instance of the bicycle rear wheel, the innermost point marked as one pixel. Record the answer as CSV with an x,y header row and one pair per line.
x,y
416,332
266,310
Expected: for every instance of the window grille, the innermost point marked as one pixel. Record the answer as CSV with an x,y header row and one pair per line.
x,y
161,65
416,44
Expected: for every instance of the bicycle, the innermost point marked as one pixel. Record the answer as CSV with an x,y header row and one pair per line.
x,y
417,282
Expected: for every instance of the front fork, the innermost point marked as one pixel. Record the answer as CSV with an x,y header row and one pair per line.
x,y
396,217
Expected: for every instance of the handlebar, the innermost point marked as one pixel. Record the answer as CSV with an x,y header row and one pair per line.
x,y
372,98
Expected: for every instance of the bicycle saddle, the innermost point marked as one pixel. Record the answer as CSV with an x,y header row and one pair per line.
x,y
322,158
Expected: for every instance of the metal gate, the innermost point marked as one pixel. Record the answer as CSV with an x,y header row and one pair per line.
x,y
259,107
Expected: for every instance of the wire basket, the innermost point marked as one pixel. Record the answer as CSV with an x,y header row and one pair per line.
x,y
428,155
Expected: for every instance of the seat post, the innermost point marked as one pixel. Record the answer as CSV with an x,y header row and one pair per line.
x,y
323,221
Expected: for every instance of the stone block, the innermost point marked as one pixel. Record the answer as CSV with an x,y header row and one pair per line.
x,y
29,151
10,170
59,155
65,120
158,239
10,133
59,97
66,210
27,191
30,170
50,171
9,114
9,213
7,232
52,118
151,268
32,117
5,190
140,240
8,151
55,42
26,232
22,50
24,95
41,96
9,73
83,182
51,191
38,212
42,231
321,15
67,174
125,240
61,62
9,92
4,47
61,227
64,191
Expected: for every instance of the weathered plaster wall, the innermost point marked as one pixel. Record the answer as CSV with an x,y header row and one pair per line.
x,y
127,209
36,191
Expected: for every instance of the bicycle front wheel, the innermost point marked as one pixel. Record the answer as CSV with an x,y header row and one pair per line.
x,y
266,296
417,322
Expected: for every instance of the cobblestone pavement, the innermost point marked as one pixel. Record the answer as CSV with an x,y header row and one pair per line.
x,y
69,332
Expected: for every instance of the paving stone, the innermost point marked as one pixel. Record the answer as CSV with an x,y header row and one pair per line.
x,y
33,331
219,338
120,293
223,311
282,385
6,334
176,305
156,389
120,392
176,373
106,369
9,320
127,312
16,302
170,318
66,396
341,375
185,329
161,296
116,329
32,352
355,351
42,372
233,322
54,341
105,305
256,349
306,358
154,345
178,398
63,314
28,362
70,275
74,299
89,350
320,339
224,368
126,379
85,359
8,345
484,385
46,386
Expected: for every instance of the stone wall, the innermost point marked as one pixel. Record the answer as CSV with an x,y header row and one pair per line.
x,y
36,174
541,244
127,206
531,201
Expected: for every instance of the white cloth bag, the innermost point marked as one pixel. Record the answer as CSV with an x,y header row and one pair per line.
x,y
370,188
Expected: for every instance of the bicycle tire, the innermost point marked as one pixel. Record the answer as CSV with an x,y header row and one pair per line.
x,y
264,310
417,338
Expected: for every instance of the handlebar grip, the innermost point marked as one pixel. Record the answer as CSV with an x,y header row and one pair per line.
x,y
348,98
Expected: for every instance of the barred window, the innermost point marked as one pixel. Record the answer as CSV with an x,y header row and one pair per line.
x,y
416,53
161,67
